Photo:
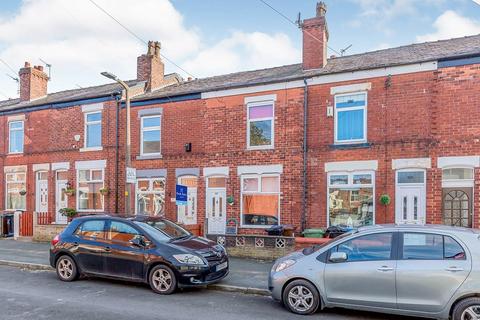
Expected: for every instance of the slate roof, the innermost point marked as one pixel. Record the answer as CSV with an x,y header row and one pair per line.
x,y
414,53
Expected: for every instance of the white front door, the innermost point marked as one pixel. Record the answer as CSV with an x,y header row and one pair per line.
x,y
410,196
61,200
216,210
41,192
410,205
188,214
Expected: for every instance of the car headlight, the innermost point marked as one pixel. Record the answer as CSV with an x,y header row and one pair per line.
x,y
284,265
188,259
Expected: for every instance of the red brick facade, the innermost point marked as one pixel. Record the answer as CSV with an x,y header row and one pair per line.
x,y
417,118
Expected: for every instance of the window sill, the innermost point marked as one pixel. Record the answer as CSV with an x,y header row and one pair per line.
x,y
149,157
260,148
254,226
15,154
358,145
91,149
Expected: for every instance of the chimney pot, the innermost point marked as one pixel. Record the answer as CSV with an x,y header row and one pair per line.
x,y
321,9
27,64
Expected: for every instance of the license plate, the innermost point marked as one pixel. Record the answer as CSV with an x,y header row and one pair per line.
x,y
222,266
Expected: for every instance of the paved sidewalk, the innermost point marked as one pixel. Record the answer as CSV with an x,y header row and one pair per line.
x,y
244,274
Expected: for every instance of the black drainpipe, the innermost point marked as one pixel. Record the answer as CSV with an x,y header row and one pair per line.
x,y
305,154
117,122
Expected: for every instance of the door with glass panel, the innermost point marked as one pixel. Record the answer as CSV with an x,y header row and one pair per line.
x,y
41,191
457,207
61,199
410,202
187,214
216,205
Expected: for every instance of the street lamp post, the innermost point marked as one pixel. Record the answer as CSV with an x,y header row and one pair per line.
x,y
128,142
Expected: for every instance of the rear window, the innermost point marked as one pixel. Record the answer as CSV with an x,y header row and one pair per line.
x,y
426,246
91,229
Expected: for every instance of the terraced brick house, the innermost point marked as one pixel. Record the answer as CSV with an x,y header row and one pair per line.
x,y
380,137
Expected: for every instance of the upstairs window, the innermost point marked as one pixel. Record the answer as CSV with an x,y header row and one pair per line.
x,y
15,137
351,118
260,125
150,136
93,130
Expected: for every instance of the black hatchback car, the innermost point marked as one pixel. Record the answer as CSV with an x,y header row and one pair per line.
x,y
141,249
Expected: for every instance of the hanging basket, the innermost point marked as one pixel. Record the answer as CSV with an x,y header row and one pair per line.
x,y
69,191
104,191
385,199
230,200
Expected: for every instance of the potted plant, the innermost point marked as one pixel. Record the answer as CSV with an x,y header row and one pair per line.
x,y
103,191
23,192
68,212
69,190
230,200
385,199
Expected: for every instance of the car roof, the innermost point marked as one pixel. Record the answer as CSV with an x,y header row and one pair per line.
x,y
142,218
418,227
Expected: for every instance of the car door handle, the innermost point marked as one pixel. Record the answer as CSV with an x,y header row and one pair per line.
x,y
108,249
454,269
75,244
385,269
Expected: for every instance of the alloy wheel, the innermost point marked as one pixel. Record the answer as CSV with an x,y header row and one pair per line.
x,y
300,298
471,313
162,280
65,269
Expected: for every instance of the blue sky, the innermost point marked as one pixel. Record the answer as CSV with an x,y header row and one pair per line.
x,y
207,37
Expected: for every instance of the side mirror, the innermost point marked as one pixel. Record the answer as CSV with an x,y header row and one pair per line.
x,y
336,257
137,241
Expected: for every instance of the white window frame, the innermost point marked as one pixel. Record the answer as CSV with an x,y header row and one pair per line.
x,y
142,130
259,177
16,181
10,136
85,130
350,185
77,196
365,113
272,118
151,191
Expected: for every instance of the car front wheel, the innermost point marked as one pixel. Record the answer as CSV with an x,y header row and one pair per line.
x,y
301,297
468,309
162,280
66,269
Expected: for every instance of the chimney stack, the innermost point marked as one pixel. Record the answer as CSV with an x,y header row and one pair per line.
x,y
315,38
150,67
33,82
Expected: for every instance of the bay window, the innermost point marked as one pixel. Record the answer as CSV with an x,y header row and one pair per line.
x,y
351,118
151,196
260,125
16,189
351,199
260,200
89,183
150,135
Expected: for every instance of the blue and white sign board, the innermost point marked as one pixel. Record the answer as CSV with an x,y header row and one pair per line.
x,y
181,195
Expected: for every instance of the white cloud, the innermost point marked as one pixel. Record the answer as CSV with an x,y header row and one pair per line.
x,y
80,41
244,51
451,25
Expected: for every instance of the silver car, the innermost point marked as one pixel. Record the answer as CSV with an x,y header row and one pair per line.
x,y
426,271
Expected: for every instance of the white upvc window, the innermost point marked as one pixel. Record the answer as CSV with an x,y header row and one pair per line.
x,y
15,195
150,136
260,125
150,196
89,183
351,198
351,118
93,130
260,201
15,136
